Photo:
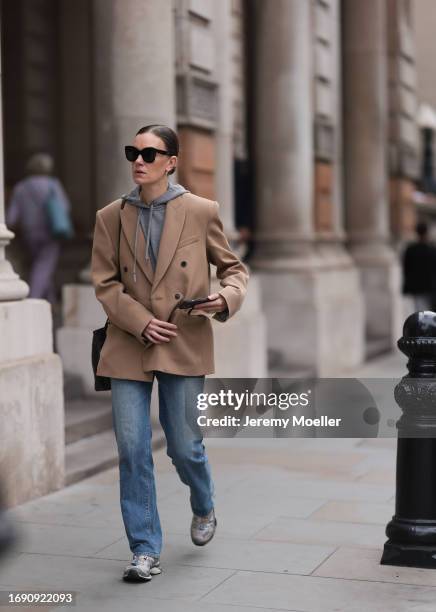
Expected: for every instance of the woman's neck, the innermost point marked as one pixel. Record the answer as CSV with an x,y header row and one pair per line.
x,y
151,192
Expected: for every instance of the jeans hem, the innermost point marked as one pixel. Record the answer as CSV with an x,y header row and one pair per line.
x,y
203,515
144,552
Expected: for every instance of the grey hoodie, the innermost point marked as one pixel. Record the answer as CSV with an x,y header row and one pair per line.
x,y
151,217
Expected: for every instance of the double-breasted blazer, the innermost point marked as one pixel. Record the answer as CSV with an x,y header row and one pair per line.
x,y
192,239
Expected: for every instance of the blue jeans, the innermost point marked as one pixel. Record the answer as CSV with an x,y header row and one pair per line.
x,y
177,414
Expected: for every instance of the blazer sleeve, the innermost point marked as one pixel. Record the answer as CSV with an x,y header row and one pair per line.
x,y
231,272
122,309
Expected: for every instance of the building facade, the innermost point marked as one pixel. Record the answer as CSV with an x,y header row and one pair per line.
x,y
298,116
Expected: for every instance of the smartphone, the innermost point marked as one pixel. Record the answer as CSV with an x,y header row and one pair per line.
x,y
191,303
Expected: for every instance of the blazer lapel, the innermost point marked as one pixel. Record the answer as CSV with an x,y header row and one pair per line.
x,y
173,225
129,217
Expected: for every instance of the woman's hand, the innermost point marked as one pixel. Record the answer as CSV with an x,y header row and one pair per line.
x,y
216,304
157,331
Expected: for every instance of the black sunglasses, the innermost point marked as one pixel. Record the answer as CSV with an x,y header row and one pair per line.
x,y
148,154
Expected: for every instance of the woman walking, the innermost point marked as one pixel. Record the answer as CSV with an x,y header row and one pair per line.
x,y
152,252
28,212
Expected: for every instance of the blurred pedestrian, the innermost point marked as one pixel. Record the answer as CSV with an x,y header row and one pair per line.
x,y
40,209
419,269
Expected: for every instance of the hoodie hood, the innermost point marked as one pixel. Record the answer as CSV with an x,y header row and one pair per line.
x,y
158,207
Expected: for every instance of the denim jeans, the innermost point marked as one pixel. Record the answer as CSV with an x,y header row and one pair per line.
x,y
177,414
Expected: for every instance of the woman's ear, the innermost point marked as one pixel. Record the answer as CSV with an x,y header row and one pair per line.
x,y
173,168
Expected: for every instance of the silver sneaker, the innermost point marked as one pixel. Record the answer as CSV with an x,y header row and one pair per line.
x,y
203,528
142,567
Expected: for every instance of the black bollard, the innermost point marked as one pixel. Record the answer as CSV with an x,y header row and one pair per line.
x,y
412,530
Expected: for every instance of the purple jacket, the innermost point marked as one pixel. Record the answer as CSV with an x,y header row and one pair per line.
x,y
27,207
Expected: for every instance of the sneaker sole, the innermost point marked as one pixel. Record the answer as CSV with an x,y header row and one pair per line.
x,y
207,541
135,576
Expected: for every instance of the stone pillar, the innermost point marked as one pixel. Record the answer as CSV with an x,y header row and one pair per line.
x,y
11,286
403,128
134,86
134,82
305,294
224,128
404,136
366,170
31,401
284,134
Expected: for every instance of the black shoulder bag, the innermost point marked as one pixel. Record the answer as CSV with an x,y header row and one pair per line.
x,y
103,383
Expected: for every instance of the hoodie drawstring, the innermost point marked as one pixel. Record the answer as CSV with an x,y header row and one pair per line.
x,y
148,233
136,242
134,198
138,221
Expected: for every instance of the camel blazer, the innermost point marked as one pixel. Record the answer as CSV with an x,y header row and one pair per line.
x,y
192,239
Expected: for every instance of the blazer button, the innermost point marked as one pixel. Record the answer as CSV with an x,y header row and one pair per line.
x,y
125,268
177,296
183,263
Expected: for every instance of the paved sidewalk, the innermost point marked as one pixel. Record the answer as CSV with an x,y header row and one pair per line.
x,y
300,527
393,365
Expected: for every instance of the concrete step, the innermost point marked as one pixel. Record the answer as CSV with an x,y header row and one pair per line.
x,y
73,387
97,453
86,417
89,456
89,437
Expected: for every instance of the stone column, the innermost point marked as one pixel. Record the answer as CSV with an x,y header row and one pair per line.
x,y
134,82
224,128
31,400
134,86
305,295
366,171
284,133
11,286
404,156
